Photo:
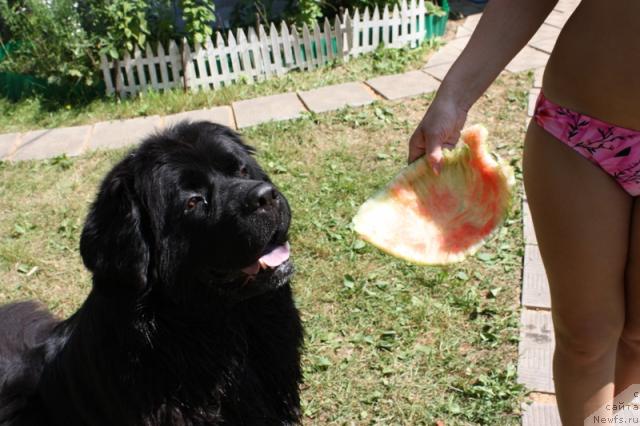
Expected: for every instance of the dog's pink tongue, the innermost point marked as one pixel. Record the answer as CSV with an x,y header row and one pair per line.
x,y
275,257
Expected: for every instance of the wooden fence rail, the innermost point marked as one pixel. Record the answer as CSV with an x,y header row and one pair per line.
x,y
254,56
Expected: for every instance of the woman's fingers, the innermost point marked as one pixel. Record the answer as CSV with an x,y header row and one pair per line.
x,y
435,159
438,129
416,145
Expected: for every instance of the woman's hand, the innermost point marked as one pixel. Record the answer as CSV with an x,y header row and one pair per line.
x,y
440,128
505,27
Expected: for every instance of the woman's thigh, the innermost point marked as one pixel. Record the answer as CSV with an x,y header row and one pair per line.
x,y
582,221
632,289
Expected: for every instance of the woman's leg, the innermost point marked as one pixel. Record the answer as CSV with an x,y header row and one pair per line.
x,y
628,361
582,219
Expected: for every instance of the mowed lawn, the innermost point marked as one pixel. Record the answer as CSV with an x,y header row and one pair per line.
x,y
387,343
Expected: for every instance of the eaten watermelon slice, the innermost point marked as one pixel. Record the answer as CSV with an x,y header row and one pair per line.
x,y
434,219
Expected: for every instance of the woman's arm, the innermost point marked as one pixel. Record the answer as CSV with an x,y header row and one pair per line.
x,y
505,27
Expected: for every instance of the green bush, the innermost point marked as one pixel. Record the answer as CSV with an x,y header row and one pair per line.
x,y
126,28
198,17
51,42
60,41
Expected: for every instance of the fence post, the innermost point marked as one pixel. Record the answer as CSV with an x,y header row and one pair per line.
x,y
422,22
175,58
395,27
119,79
184,57
404,22
328,39
162,64
221,50
376,27
275,50
348,33
264,49
233,54
257,56
150,60
306,37
130,87
286,46
106,74
243,46
297,49
320,58
355,34
137,59
385,26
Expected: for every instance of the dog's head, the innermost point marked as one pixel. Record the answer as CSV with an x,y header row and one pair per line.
x,y
189,212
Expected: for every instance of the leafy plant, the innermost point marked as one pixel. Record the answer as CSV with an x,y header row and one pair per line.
x,y
434,9
51,42
307,12
127,26
163,21
198,17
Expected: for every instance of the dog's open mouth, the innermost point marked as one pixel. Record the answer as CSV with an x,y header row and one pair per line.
x,y
272,257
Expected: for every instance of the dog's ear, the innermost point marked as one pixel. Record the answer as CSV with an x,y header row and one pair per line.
x,y
112,244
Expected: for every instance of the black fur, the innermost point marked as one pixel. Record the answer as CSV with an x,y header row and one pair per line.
x,y
173,332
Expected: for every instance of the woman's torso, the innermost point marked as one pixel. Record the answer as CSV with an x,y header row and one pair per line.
x,y
595,65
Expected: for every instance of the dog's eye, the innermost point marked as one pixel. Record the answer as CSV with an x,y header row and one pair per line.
x,y
193,202
243,172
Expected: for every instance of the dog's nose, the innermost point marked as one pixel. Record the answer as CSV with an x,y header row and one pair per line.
x,y
263,195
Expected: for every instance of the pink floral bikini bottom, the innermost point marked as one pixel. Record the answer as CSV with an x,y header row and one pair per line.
x,y
614,149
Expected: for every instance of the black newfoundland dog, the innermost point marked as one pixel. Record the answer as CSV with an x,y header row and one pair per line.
x,y
190,320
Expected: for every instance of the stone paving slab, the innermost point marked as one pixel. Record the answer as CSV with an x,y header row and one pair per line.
x,y
566,6
545,45
442,56
537,77
528,58
121,133
7,143
471,21
540,414
338,96
41,144
463,32
536,351
557,18
399,86
527,224
458,43
251,112
535,285
221,115
438,71
533,97
545,32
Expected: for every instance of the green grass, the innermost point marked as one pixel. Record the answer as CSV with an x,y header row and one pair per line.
x,y
386,343
39,112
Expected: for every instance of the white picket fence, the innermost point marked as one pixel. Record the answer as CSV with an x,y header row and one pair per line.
x,y
256,56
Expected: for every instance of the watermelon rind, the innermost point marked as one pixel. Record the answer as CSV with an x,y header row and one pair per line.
x,y
473,184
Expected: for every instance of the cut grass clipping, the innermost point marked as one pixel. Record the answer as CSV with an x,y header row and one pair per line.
x,y
386,342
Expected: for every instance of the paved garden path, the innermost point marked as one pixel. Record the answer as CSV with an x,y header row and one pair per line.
x,y
536,330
